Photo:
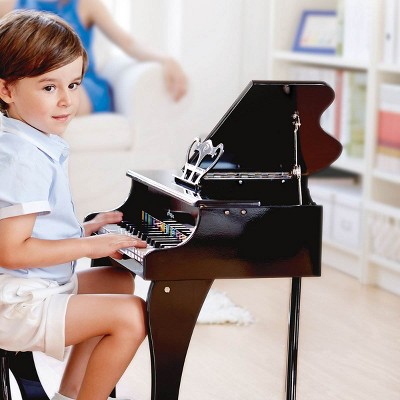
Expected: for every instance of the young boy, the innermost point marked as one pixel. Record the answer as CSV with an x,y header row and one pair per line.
x,y
44,304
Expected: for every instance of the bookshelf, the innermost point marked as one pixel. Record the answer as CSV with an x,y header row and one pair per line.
x,y
362,219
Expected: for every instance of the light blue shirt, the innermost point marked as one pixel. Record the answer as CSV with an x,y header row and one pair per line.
x,y
34,179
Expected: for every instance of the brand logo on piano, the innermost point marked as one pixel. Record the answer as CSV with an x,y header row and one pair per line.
x,y
170,214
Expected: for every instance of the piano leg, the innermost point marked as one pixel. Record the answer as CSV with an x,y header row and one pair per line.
x,y
293,339
172,308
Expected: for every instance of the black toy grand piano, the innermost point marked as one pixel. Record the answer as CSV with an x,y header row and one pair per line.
x,y
239,208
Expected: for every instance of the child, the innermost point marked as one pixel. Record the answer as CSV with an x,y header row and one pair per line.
x,y
84,16
44,304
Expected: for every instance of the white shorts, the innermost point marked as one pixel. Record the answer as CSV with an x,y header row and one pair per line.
x,y
32,314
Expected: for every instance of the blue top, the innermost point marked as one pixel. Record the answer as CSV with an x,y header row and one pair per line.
x,y
34,179
97,88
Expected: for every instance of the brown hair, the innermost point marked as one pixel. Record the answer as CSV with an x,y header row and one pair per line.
x,y
35,42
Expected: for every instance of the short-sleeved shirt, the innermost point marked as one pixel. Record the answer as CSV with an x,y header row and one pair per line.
x,y
97,88
34,179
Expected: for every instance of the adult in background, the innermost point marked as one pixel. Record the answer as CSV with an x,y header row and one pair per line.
x,y
83,16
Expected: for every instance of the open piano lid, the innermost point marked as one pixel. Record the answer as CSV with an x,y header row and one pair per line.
x,y
257,132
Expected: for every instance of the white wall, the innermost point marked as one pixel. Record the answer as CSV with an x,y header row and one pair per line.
x,y
222,44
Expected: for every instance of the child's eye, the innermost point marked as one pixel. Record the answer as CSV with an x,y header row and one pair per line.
x,y
74,85
49,88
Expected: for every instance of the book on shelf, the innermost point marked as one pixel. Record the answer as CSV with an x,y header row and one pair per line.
x,y
345,118
340,29
388,141
338,99
355,20
387,160
390,28
397,33
391,34
351,116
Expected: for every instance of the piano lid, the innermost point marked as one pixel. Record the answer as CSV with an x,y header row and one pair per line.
x,y
257,132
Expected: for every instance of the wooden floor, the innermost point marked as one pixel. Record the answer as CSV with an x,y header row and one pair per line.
x,y
349,345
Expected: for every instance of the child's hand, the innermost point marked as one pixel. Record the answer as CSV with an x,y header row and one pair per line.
x,y
101,219
109,244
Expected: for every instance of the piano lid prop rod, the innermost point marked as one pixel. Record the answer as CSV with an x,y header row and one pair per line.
x,y
297,167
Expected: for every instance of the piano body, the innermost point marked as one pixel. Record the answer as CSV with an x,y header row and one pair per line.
x,y
239,208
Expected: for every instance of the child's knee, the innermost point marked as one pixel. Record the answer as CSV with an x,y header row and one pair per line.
x,y
133,316
141,318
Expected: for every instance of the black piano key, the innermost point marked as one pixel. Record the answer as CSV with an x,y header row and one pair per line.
x,y
157,241
163,245
146,232
132,228
163,237
167,245
157,236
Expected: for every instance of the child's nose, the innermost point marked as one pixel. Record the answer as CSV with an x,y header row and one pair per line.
x,y
65,98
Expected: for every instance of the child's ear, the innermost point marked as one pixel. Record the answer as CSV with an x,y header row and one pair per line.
x,y
5,93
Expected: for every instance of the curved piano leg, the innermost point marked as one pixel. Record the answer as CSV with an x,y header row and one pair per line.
x,y
293,340
172,308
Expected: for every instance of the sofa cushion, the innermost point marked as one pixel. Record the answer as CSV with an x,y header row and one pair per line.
x,y
99,131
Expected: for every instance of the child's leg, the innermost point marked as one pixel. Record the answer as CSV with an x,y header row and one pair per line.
x,y
93,280
105,280
106,330
76,366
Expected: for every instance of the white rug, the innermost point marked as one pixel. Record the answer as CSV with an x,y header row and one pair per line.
x,y
219,309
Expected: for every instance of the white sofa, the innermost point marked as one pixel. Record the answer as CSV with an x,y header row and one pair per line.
x,y
145,132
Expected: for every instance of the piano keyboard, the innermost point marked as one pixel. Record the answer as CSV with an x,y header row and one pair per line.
x,y
158,234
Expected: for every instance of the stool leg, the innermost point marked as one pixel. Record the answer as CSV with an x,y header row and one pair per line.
x,y
5,390
22,365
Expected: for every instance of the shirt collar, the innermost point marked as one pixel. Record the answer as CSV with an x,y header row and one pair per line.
x,y
52,145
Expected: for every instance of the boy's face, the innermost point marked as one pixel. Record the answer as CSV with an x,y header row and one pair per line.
x,y
46,102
